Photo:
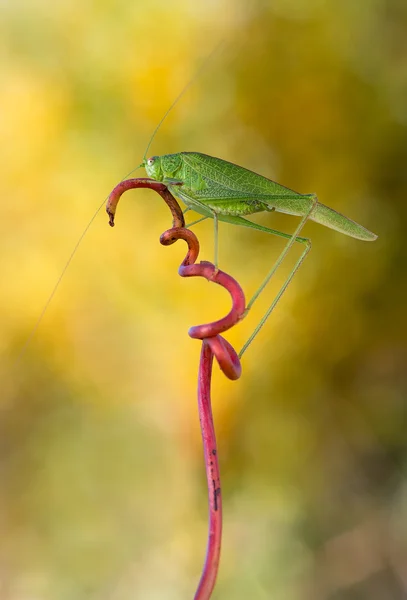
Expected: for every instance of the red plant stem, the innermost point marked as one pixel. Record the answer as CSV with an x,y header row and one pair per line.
x,y
210,570
144,182
213,344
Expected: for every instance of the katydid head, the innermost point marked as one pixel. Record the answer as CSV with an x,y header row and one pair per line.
x,y
153,168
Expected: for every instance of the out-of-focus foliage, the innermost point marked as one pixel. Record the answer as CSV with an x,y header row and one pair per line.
x,y
102,484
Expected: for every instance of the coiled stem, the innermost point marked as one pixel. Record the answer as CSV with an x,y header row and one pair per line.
x,y
213,345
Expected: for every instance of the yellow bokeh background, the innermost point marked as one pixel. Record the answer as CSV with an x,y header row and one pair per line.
x,y
102,485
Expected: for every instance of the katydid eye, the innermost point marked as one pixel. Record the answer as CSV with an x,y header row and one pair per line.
x,y
151,161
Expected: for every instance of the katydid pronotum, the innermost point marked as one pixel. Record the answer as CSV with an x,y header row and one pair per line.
x,y
223,191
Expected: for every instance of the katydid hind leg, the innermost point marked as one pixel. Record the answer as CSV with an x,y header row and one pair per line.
x,y
293,238
276,300
233,220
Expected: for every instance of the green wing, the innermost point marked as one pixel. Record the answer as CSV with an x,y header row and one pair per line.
x,y
234,190
227,189
217,173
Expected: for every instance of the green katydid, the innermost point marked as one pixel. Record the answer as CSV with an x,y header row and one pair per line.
x,y
224,191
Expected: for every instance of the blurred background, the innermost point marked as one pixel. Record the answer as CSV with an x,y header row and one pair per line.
x,y
102,484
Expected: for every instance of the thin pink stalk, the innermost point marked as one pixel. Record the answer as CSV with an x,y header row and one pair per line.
x,y
211,566
213,345
144,182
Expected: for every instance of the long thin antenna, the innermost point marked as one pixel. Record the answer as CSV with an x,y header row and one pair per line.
x,y
60,278
78,243
183,91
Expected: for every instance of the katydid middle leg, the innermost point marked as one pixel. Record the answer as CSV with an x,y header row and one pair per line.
x,y
216,234
195,222
216,239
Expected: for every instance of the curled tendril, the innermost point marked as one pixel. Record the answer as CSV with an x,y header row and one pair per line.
x,y
144,182
213,345
209,332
